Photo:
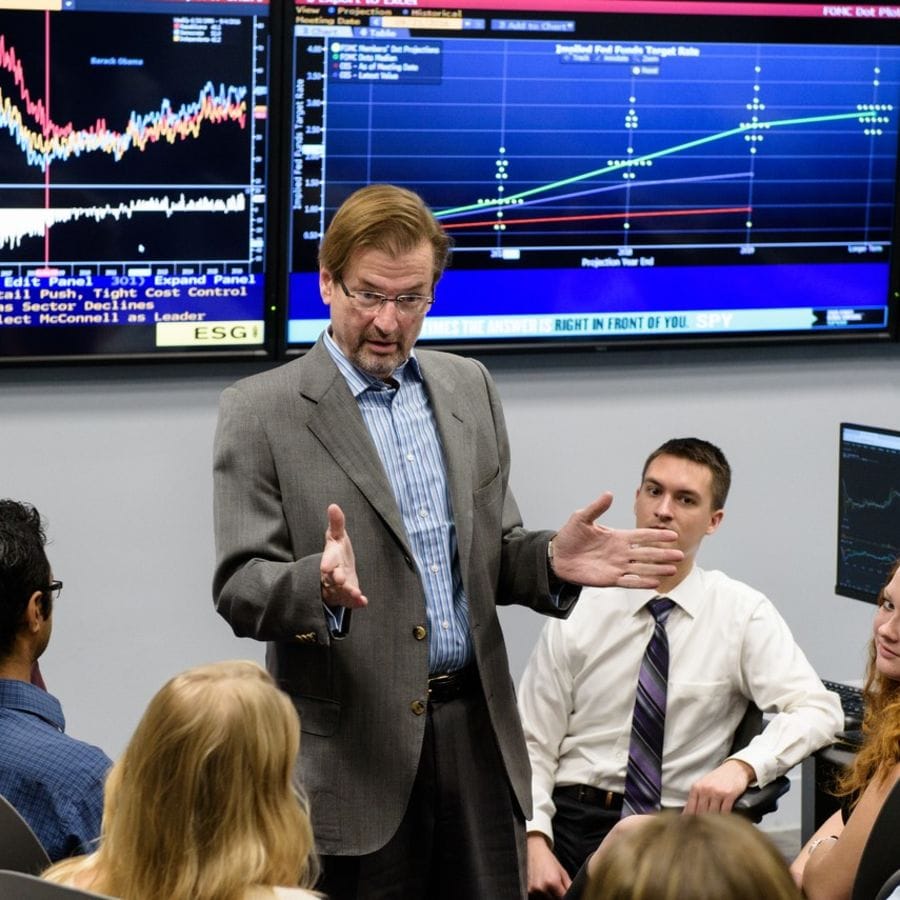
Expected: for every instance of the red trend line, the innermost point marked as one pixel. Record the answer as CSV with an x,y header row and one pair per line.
x,y
10,62
46,126
622,215
168,124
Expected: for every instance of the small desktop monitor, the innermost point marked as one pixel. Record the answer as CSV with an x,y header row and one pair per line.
x,y
868,509
133,179
613,172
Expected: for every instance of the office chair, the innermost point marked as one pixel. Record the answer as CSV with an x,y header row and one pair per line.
x,y
756,802
877,875
888,888
20,848
21,886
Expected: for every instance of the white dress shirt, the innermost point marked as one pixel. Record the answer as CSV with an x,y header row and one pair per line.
x,y
728,645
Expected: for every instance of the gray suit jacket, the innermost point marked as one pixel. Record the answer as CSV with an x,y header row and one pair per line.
x,y
289,442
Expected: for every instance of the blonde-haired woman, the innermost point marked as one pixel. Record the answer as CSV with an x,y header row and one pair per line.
x,y
702,857
201,805
828,865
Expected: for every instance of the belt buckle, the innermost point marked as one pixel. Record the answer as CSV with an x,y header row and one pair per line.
x,y
437,681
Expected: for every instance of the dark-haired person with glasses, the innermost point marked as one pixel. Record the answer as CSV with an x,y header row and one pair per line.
x,y
412,753
53,780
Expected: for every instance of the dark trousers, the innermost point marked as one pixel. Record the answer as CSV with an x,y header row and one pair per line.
x,y
578,828
461,836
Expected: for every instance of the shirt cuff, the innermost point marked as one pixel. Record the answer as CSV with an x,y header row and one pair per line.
x,y
764,772
542,824
562,594
334,619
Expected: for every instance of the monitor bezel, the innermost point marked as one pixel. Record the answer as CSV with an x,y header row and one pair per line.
x,y
713,14
840,589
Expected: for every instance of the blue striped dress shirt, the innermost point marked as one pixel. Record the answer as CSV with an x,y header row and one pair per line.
x,y
402,426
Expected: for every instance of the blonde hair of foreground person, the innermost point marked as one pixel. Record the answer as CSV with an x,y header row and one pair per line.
x,y
201,805
701,857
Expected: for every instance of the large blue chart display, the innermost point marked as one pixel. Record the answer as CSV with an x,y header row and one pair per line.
x,y
726,171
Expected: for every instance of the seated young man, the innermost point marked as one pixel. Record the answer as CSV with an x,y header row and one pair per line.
x,y
598,743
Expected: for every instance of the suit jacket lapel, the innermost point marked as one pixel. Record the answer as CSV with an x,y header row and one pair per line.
x,y
339,426
455,433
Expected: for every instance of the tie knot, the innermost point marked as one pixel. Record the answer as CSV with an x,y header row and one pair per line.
x,y
660,607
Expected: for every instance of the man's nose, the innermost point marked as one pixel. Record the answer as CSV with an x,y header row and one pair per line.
x,y
386,318
664,507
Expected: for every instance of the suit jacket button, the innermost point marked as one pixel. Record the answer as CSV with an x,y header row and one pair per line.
x,y
419,632
418,707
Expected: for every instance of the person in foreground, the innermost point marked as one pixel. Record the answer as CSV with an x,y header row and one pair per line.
x,y
676,857
600,751
413,754
201,806
827,866
54,781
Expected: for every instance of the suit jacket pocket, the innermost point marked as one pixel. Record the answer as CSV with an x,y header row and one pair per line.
x,y
318,716
489,493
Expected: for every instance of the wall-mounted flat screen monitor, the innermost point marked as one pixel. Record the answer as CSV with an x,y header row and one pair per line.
x,y
612,171
133,178
868,509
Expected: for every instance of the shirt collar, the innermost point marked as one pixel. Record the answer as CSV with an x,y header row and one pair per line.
x,y
25,697
688,594
359,381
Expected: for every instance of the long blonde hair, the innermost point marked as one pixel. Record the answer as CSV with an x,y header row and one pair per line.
x,y
881,723
704,857
201,805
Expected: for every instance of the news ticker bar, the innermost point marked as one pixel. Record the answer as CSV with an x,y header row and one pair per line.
x,y
305,331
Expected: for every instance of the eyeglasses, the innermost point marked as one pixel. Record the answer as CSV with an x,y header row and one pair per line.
x,y
54,590
405,304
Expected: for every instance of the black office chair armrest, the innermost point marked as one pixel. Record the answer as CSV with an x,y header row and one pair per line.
x,y
757,802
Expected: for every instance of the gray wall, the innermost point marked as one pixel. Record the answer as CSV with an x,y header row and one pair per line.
x,y
118,460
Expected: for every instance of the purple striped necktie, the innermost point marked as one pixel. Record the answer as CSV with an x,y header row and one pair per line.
x,y
643,776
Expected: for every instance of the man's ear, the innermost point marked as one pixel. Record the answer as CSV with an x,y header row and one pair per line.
x,y
37,611
326,286
715,521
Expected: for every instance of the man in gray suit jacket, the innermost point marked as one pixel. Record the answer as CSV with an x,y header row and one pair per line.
x,y
412,752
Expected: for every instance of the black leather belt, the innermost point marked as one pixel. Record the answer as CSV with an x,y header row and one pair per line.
x,y
451,685
593,796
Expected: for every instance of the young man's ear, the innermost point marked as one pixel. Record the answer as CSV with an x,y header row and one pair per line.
x,y
715,521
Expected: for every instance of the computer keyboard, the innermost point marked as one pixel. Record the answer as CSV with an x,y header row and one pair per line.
x,y
851,699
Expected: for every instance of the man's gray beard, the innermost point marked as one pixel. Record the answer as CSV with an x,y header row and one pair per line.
x,y
377,366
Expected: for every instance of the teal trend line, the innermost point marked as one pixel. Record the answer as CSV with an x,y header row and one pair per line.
x,y
751,126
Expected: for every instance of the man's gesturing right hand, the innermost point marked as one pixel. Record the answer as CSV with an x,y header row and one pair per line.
x,y
337,570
